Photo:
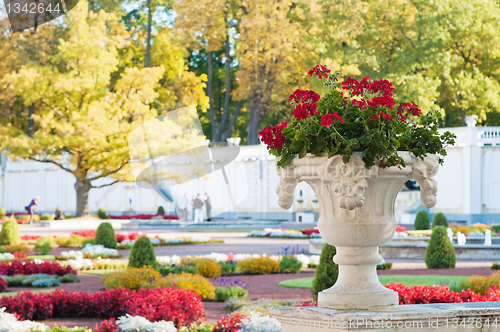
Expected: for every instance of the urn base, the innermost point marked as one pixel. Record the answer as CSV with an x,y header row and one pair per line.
x,y
371,300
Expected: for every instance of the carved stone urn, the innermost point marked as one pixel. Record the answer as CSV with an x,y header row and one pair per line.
x,y
357,216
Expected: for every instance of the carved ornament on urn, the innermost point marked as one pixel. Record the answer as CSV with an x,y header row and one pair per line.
x,y
357,216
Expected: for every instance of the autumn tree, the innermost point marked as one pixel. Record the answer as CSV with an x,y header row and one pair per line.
x,y
84,116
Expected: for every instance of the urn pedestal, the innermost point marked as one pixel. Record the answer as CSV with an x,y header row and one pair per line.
x,y
357,216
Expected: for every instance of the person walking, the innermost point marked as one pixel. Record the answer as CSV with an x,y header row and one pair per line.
x,y
31,208
208,206
197,205
183,206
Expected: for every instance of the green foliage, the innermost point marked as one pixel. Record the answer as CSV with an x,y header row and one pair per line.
x,y
69,216
12,248
361,130
46,217
384,266
69,278
290,264
142,254
228,268
2,213
223,294
68,329
88,240
10,232
102,214
105,235
440,253
166,270
44,245
439,220
495,266
326,272
422,221
161,210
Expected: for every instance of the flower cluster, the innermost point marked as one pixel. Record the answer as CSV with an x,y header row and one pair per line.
x,y
27,267
182,307
30,237
256,322
11,323
272,136
229,324
441,294
144,216
90,233
359,116
3,285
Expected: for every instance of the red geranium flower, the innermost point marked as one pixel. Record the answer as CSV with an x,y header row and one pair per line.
x,y
411,108
272,137
320,70
387,116
327,120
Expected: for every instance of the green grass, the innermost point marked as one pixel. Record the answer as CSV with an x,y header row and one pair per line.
x,y
44,257
100,272
386,279
33,291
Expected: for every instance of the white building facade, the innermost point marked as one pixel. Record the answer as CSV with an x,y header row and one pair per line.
x,y
468,182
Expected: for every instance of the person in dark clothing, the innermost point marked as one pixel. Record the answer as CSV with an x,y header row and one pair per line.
x,y
31,208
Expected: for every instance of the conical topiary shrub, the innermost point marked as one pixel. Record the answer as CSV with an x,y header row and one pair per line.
x,y
142,254
422,221
327,271
10,232
161,210
439,220
440,253
105,235
2,213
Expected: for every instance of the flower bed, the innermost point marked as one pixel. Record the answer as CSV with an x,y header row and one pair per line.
x,y
39,280
35,267
144,216
182,307
282,233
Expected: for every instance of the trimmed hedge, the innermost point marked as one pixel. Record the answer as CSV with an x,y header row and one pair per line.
x,y
440,253
10,232
142,254
422,221
327,271
105,235
439,220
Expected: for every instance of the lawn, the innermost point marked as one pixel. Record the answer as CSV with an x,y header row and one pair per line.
x,y
44,257
386,279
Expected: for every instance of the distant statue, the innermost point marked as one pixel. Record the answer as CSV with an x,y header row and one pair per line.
x,y
183,206
450,234
461,239
208,206
487,239
31,208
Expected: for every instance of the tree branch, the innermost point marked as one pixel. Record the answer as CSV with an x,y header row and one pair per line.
x,y
52,162
105,185
109,173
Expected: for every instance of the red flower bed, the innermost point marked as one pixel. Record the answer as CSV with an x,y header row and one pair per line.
x,y
108,325
308,232
27,268
144,216
20,255
229,324
440,294
400,229
171,304
131,237
30,237
3,285
88,233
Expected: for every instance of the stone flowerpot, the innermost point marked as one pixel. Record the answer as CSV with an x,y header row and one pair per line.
x,y
357,216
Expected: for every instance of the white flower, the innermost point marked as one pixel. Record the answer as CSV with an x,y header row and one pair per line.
x,y
200,238
38,261
258,233
278,234
129,323
315,235
257,323
128,242
7,255
97,249
303,259
314,259
297,234
217,256
9,323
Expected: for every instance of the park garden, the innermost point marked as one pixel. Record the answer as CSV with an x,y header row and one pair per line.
x,y
104,280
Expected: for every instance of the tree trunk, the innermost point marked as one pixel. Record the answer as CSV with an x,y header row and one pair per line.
x,y
217,137
148,41
31,126
82,197
210,92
